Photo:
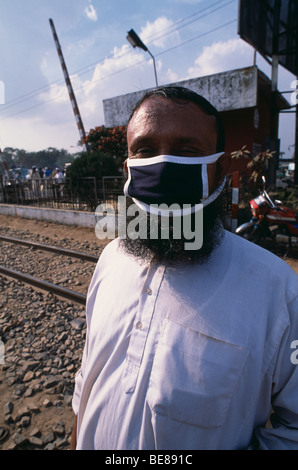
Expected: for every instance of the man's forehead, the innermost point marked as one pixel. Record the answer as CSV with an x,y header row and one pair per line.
x,y
164,111
158,105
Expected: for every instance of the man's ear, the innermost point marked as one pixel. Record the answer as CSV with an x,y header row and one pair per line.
x,y
125,167
223,167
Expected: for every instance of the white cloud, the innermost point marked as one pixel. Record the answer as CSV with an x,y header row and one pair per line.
x,y
126,70
106,76
169,77
91,13
57,93
222,56
37,134
116,75
157,33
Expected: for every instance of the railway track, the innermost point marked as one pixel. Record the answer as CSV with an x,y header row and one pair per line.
x,y
44,285
53,249
39,283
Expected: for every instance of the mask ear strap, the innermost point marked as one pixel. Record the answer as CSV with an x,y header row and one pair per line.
x,y
215,194
127,183
205,189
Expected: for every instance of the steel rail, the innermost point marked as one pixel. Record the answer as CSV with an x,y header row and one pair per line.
x,y
44,285
53,249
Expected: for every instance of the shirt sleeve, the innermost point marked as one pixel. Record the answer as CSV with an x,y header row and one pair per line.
x,y
283,435
77,392
79,377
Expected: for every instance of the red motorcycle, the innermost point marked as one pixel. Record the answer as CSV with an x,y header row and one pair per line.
x,y
269,219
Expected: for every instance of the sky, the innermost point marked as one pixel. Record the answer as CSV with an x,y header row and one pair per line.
x,y
188,39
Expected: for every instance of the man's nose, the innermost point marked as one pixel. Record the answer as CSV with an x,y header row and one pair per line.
x,y
165,149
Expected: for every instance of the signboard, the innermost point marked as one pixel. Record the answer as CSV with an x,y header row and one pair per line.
x,y
270,26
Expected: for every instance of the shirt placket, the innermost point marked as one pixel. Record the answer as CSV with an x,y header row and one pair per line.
x,y
141,327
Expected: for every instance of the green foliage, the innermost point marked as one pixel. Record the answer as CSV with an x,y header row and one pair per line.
x,y
50,157
107,152
256,165
94,164
109,140
288,196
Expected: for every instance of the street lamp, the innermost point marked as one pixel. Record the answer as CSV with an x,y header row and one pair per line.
x,y
135,41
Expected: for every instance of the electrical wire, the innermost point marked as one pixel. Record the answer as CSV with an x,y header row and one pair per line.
x,y
123,69
79,72
154,38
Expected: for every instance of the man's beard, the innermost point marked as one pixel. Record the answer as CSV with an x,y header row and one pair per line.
x,y
172,250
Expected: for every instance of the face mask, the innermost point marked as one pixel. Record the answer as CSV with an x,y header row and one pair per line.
x,y
167,179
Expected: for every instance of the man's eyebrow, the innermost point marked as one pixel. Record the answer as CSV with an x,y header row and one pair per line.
x,y
145,139
191,140
185,140
141,140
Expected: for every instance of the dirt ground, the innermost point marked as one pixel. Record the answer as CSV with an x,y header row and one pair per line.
x,y
50,229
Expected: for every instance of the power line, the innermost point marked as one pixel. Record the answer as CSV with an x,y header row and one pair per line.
x,y
197,37
126,68
190,22
163,52
187,17
168,30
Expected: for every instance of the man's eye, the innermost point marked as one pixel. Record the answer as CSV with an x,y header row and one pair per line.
x,y
144,151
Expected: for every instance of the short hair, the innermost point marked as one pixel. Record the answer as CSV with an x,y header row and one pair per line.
x,y
182,93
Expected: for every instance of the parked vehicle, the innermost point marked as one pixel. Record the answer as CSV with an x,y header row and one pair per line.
x,y
269,219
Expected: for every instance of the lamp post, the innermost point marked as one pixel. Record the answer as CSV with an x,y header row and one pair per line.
x,y
135,41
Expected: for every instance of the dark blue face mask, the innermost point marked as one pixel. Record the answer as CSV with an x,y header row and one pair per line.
x,y
168,179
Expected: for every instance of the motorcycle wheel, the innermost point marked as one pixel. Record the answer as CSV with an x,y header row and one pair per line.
x,y
249,231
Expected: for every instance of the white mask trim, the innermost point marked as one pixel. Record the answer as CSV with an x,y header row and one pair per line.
x,y
173,159
205,181
152,209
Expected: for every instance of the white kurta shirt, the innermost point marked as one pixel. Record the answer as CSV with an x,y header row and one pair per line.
x,y
188,357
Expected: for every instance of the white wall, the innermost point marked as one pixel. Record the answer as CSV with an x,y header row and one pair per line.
x,y
235,89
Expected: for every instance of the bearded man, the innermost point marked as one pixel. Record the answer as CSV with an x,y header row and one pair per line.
x,y
186,348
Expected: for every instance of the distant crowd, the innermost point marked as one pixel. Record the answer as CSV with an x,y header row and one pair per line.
x,y
41,173
37,182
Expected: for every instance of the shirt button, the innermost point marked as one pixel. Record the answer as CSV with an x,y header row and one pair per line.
x,y
149,291
139,325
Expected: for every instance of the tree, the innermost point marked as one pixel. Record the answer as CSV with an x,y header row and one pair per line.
x,y
94,164
106,155
50,157
109,140
257,165
8,155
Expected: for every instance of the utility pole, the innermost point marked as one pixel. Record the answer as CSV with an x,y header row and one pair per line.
x,y
274,117
296,134
296,102
70,89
